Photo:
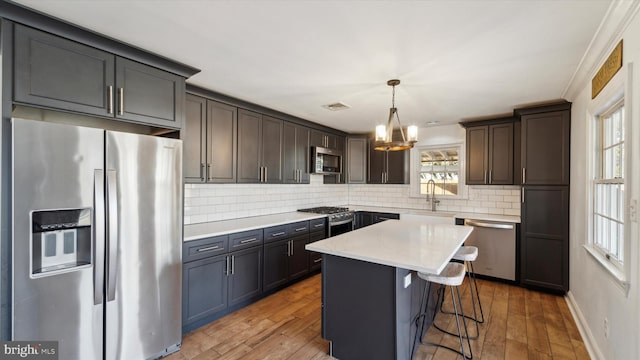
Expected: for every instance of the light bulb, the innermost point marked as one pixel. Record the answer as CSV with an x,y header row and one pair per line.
x,y
381,133
412,133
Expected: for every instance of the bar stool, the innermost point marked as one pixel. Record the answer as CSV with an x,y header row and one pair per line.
x,y
452,276
468,254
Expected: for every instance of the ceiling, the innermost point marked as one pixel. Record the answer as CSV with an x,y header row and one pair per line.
x,y
456,59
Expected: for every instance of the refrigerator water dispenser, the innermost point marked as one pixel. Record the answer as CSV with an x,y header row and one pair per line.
x,y
61,241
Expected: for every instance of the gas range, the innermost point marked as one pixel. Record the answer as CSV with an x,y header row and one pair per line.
x,y
341,219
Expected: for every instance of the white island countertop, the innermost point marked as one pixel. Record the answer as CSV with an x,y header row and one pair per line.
x,y
399,243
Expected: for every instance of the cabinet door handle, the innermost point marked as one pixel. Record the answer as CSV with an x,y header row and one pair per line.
x,y
484,181
318,225
524,176
121,101
208,175
266,173
248,240
278,234
522,190
226,265
202,174
233,264
301,229
490,174
317,260
110,105
291,242
210,248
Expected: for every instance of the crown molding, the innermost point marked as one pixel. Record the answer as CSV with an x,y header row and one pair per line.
x,y
615,22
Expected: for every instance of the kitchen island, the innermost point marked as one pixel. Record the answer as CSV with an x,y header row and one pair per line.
x,y
370,292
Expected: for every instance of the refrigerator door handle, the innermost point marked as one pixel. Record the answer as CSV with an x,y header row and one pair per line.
x,y
98,236
112,234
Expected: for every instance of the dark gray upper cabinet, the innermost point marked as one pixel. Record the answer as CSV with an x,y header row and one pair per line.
x,y
477,155
222,129
58,73
490,149
249,146
54,72
209,135
272,149
338,143
323,139
387,167
295,154
545,145
148,95
356,160
194,136
259,148
501,154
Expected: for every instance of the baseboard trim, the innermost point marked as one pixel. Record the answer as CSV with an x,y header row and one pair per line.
x,y
585,332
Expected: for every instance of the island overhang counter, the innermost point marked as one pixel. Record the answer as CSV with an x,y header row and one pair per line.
x,y
370,292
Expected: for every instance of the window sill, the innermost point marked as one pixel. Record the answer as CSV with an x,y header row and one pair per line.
x,y
618,276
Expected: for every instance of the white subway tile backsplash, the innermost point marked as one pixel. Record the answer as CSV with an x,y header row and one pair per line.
x,y
214,202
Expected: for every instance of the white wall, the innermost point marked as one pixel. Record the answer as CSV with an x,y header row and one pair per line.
x,y
594,292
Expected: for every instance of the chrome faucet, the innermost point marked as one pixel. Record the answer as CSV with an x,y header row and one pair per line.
x,y
433,200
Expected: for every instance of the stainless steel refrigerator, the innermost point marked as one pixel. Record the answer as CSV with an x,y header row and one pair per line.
x,y
97,235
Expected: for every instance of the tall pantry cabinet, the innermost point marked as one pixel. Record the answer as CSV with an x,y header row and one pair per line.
x,y
544,172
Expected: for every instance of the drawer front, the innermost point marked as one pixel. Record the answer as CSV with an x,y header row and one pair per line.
x,y
204,248
275,233
318,224
316,236
245,239
299,228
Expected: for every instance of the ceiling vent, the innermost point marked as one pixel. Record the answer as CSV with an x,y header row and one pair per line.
x,y
337,106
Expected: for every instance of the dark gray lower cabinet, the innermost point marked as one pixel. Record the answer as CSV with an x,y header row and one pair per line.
x,y
204,284
315,258
298,257
285,260
366,218
214,285
367,312
276,265
544,239
245,279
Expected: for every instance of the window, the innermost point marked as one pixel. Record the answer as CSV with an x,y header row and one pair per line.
x,y
441,165
608,185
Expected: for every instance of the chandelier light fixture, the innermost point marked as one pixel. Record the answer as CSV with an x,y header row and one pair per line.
x,y
384,134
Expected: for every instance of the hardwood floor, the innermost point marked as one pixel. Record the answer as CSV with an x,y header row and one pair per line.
x,y
520,324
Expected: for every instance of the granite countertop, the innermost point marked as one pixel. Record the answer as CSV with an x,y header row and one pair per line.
x,y
216,228
404,244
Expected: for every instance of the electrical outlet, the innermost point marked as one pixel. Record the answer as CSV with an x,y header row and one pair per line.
x,y
606,328
633,210
407,280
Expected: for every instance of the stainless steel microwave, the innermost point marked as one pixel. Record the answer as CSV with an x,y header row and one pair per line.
x,y
325,160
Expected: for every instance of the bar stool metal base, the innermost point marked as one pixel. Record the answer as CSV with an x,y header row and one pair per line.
x,y
458,315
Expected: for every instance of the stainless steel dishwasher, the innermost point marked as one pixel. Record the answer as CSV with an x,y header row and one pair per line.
x,y
496,243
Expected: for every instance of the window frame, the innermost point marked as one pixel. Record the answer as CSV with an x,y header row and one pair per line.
x,y
416,165
598,178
